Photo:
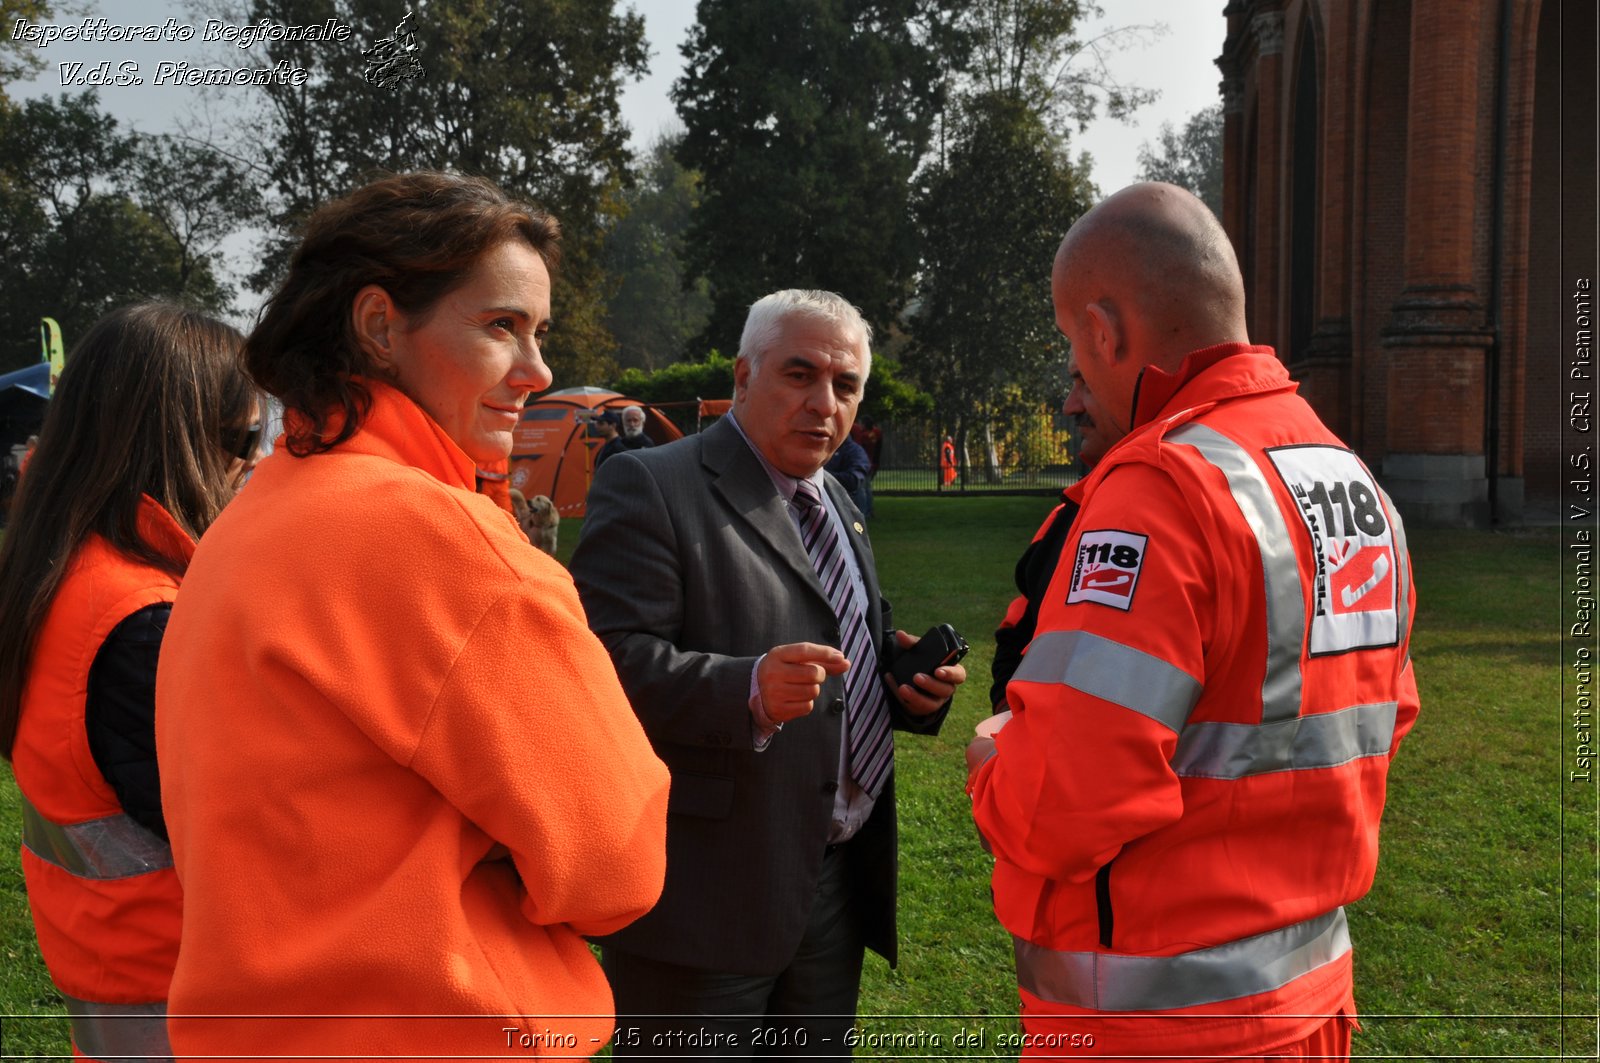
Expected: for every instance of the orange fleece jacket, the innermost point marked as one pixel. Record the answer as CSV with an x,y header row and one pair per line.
x,y
401,778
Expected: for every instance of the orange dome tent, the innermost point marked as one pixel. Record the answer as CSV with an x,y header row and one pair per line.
x,y
552,451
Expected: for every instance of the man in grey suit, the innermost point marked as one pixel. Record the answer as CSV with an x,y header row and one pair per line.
x,y
761,686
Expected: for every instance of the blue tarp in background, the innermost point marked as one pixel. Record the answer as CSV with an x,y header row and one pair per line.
x,y
24,395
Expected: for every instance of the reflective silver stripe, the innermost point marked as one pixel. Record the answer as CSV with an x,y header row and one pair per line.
x,y
1107,981
113,847
1213,750
111,1031
1286,604
1112,672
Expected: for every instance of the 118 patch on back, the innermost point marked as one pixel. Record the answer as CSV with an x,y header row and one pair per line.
x,y
1352,544
1106,569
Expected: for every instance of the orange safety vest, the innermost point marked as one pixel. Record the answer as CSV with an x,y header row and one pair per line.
x,y
1191,786
106,904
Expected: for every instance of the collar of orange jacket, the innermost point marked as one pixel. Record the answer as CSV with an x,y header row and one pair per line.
x,y
1203,379
1156,389
396,428
162,533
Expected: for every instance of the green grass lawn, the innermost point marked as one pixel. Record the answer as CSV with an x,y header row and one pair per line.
x,y
1479,932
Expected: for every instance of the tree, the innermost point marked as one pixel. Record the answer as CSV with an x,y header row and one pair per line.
x,y
993,206
681,385
1191,159
984,341
20,58
81,239
523,92
807,121
890,396
656,310
1029,50
197,194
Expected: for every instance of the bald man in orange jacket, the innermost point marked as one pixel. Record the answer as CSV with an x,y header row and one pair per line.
x,y
1190,787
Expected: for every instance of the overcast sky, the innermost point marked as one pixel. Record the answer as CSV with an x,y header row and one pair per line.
x,y
1179,64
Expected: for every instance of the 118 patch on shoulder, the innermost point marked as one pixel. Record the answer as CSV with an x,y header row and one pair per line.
x,y
1353,547
1106,569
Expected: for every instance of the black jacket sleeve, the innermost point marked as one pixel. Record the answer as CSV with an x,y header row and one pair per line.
x,y
1035,569
120,714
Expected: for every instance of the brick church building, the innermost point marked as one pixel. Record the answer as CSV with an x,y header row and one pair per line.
x,y
1398,179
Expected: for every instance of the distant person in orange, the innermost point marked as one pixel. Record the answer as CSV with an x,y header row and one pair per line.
x,y
371,813
122,498
947,462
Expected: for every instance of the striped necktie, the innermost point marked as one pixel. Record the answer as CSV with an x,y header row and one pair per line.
x,y
871,745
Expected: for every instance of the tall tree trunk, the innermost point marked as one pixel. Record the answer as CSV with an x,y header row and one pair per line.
x,y
991,457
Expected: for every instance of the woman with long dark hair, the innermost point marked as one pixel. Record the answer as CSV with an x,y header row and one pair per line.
x,y
150,432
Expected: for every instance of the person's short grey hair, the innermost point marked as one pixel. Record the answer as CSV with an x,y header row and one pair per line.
x,y
768,314
629,411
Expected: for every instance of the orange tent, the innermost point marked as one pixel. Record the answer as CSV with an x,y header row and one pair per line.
x,y
552,450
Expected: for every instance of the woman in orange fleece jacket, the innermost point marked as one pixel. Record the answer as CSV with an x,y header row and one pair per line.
x,y
401,777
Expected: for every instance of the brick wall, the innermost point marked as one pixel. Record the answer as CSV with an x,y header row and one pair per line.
x,y
1407,253
1541,429
1380,269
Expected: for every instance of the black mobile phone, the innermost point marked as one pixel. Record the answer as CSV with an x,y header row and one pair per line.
x,y
941,645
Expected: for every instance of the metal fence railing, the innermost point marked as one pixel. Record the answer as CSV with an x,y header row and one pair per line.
x,y
1023,454
1014,479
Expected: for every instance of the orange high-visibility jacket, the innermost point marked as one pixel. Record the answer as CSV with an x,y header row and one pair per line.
x,y
106,903
399,773
1191,786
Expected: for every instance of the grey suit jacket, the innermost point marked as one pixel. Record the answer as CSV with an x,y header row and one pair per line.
x,y
690,567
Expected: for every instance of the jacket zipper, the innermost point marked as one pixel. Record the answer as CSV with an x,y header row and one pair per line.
x,y
1102,896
